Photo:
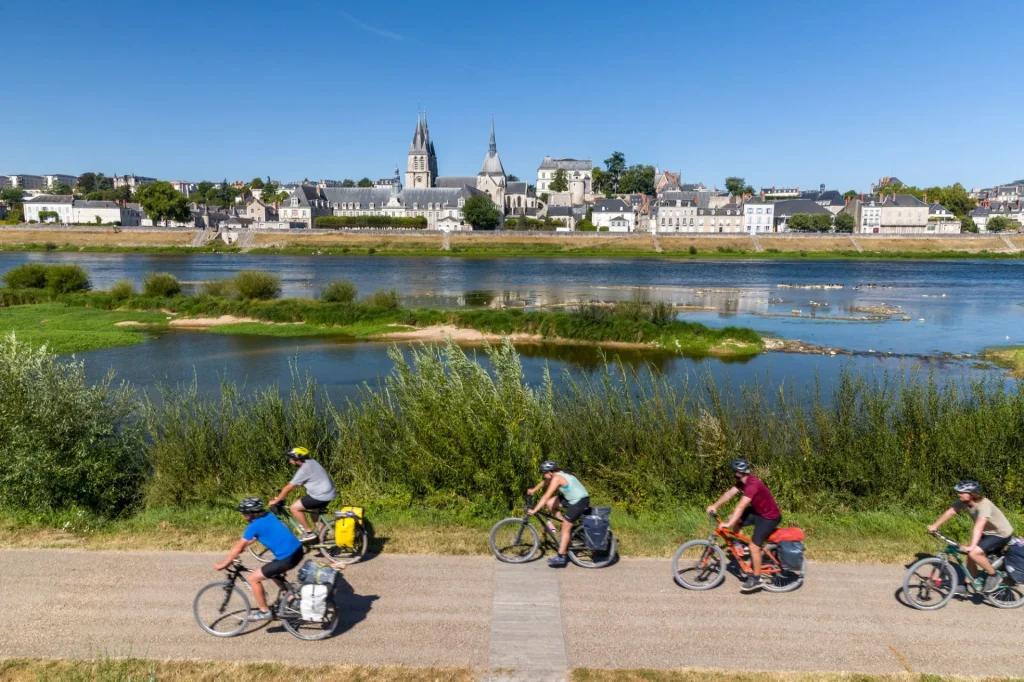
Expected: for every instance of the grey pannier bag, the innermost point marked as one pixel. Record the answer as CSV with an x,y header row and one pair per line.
x,y
597,528
791,555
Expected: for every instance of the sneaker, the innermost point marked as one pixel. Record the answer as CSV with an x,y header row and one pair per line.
x,y
751,584
308,537
992,583
558,561
260,616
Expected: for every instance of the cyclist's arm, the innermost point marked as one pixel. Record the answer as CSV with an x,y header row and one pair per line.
x,y
979,527
726,496
946,516
534,489
233,554
548,494
283,494
738,511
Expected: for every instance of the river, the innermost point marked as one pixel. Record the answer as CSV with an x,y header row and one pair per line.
x,y
937,307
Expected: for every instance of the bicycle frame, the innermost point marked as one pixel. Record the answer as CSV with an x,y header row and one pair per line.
x,y
554,539
235,571
733,540
952,554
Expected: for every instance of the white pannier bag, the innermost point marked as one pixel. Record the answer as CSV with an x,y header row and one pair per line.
x,y
313,602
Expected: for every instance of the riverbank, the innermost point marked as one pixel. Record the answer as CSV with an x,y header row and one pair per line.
x,y
517,244
89,321
1008,357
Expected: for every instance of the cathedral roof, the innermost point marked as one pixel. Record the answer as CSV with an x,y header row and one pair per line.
x,y
455,181
492,162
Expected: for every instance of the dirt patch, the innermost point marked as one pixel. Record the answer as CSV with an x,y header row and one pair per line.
x,y
336,240
79,238
441,333
130,323
207,322
673,243
791,244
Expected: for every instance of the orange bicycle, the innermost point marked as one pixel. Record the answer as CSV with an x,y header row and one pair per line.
x,y
701,564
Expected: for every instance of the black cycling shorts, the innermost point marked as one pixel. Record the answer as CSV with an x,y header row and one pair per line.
x,y
313,504
281,566
991,544
762,527
573,512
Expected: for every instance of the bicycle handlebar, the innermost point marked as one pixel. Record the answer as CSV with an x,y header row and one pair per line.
x,y
948,541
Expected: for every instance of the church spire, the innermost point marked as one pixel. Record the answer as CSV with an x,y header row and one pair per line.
x,y
494,145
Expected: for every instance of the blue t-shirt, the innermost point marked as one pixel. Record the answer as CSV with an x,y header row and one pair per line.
x,y
274,535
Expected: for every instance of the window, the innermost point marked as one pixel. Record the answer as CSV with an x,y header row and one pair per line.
x,y
768,211
759,211
663,222
750,211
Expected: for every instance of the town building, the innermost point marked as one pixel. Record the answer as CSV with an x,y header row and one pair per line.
x,y
614,214
132,182
305,203
941,220
51,181
258,212
28,182
186,188
720,219
579,174
889,214
758,215
666,181
786,209
778,193
885,181
674,215
5,181
830,199
73,211
566,215
1013,210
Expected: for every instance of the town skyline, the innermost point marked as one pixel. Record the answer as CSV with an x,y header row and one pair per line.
x,y
709,91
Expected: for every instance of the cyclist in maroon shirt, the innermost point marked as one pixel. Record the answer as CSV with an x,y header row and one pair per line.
x,y
756,508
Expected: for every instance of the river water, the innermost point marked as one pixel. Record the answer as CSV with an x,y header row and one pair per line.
x,y
933,307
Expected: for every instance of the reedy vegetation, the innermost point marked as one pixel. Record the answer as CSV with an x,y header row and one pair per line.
x,y
446,432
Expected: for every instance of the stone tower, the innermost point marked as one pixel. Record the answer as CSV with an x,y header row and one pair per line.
x,y
491,178
422,167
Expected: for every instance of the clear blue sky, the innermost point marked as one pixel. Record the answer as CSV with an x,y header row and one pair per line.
x,y
782,93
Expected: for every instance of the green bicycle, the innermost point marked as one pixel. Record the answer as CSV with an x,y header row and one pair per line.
x,y
931,582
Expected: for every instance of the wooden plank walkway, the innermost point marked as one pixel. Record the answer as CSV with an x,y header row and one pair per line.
x,y
527,642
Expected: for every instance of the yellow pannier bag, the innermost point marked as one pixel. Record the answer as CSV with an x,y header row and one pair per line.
x,y
349,521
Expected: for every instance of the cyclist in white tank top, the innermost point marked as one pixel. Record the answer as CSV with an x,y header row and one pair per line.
x,y
566,498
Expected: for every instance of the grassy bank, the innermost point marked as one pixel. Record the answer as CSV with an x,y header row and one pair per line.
x,y
519,244
893,537
1010,357
124,669
48,317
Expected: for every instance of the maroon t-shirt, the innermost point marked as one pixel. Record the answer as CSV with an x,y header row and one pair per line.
x,y
761,500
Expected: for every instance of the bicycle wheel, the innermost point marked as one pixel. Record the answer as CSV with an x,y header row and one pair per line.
x,y
514,541
1008,595
699,565
290,615
591,558
337,554
783,580
222,609
929,584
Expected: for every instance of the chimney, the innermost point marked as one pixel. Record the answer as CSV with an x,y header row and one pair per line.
x,y
862,196
847,201
924,197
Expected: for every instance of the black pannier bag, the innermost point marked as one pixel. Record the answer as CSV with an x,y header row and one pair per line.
x,y
791,555
1013,561
597,528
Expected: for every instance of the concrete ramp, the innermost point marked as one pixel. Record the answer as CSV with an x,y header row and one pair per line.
x,y
1009,243
654,238
757,243
856,244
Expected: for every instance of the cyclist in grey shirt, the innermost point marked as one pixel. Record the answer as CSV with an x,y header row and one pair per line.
x,y
320,490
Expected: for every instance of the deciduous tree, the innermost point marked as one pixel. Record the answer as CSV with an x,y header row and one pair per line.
x,y
162,202
480,212
365,182
999,223
560,183
844,222
736,185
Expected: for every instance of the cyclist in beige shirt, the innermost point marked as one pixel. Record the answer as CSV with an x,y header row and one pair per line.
x,y
991,532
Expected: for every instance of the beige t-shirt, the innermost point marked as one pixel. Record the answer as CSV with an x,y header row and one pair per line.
x,y
995,520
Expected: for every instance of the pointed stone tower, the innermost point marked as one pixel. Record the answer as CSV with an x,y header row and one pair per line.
x,y
419,173
491,178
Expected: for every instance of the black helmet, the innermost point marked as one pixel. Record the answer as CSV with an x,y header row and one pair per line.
x,y
297,453
548,466
251,505
740,466
967,486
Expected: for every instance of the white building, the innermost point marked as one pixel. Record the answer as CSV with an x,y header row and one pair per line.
x,y
941,220
674,215
59,179
133,182
578,174
73,211
614,214
27,182
184,187
5,181
758,216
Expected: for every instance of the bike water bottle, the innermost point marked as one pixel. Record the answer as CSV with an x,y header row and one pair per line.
x,y
551,527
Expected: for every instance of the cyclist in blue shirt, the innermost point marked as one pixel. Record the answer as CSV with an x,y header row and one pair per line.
x,y
276,537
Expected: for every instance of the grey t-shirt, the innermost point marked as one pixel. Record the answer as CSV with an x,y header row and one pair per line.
x,y
315,479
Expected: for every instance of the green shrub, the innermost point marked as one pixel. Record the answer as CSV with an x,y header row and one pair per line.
x,y
604,228
160,285
339,291
634,309
258,285
65,443
693,250
591,313
388,299
123,289
50,246
371,251
26,276
662,313
218,288
66,279
335,221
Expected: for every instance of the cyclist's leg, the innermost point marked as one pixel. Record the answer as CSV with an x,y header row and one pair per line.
x,y
571,514
987,545
762,529
255,580
299,514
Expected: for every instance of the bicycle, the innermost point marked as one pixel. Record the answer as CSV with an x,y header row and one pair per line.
x,y
701,564
324,546
931,582
515,540
222,608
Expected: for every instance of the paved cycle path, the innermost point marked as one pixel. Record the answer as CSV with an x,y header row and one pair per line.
x,y
457,611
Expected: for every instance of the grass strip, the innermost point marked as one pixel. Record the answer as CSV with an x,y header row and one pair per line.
x,y
1010,357
67,329
852,537
701,675
108,669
